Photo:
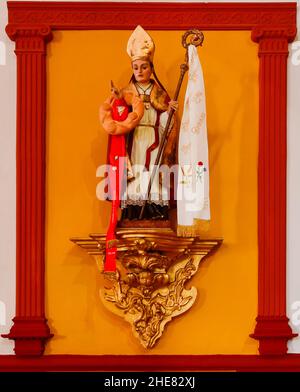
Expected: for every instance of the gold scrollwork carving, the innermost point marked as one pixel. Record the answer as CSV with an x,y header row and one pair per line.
x,y
148,289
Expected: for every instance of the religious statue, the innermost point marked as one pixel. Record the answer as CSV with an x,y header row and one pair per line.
x,y
148,106
139,119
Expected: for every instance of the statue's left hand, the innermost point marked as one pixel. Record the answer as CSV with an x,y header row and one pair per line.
x,y
173,105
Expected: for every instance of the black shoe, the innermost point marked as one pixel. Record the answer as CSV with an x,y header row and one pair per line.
x,y
130,212
137,210
124,213
165,212
149,211
157,213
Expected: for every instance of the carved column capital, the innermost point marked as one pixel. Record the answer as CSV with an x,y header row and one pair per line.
x,y
260,33
273,41
29,38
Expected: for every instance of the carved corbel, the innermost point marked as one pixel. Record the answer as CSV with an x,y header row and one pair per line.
x,y
148,289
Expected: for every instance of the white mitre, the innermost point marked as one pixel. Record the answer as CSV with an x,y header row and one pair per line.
x,y
140,45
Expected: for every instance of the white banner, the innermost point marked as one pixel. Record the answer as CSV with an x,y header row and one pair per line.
x,y
193,178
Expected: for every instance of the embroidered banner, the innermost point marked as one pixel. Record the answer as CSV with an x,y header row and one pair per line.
x,y
193,205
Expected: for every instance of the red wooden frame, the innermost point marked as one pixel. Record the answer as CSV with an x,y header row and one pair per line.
x,y
273,26
151,363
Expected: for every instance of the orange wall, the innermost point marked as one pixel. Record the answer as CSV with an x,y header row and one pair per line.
x,y
80,67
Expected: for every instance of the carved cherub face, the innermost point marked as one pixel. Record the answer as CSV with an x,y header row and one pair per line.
x,y
142,71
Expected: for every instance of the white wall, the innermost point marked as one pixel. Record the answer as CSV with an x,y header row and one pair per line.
x,y
7,181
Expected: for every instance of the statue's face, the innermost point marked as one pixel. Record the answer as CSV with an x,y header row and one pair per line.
x,y
142,71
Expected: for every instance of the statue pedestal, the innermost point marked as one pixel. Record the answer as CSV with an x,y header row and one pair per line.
x,y
153,265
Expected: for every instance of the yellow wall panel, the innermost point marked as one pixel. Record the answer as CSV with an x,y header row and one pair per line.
x,y
80,67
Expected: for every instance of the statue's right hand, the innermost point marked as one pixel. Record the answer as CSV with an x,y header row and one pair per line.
x,y
114,95
110,127
114,127
105,118
110,100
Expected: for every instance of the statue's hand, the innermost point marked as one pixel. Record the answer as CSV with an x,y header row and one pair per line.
x,y
114,127
115,92
105,118
110,127
114,95
173,105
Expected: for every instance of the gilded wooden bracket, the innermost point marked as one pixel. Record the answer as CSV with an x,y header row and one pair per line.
x,y
148,289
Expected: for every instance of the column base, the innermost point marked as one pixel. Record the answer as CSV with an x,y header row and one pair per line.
x,y
30,335
273,333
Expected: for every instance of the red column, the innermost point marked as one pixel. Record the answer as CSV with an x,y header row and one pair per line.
x,y
272,328
30,329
